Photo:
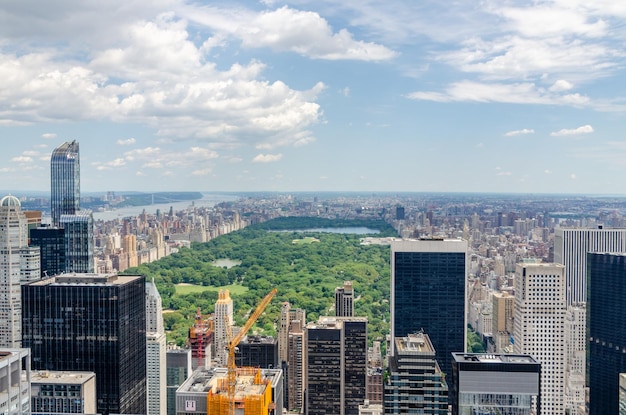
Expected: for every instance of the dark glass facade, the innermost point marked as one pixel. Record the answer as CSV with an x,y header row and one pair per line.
x,y
606,330
51,243
79,241
429,295
91,323
336,365
258,351
64,181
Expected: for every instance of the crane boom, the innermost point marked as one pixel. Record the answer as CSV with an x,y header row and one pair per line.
x,y
232,346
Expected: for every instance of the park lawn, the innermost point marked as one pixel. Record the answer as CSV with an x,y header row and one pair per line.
x,y
305,240
235,289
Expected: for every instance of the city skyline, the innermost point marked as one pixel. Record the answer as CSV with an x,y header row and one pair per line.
x,y
316,96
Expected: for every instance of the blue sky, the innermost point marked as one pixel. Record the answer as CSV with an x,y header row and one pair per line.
x,y
363,95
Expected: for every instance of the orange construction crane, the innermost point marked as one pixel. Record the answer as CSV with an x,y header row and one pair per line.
x,y
232,346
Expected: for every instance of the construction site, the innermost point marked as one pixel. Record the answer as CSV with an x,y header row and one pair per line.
x,y
257,392
218,390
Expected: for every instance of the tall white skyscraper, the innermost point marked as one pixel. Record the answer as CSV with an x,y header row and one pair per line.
x,y
156,352
223,314
18,263
570,249
539,327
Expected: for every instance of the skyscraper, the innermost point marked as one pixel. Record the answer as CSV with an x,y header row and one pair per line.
x,y
18,264
344,300
64,181
79,241
51,243
428,291
336,351
223,316
606,330
539,327
156,367
495,384
91,322
415,384
570,249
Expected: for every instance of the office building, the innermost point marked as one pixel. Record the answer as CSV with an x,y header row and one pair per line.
x,y
223,316
178,371
55,392
257,392
576,359
539,327
606,330
570,249
18,264
415,384
64,181
156,363
79,242
428,292
336,368
374,391
295,365
257,351
503,305
344,300
15,378
504,384
94,323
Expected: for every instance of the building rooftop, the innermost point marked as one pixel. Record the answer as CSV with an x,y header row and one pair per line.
x,y
493,358
87,279
60,377
414,342
214,380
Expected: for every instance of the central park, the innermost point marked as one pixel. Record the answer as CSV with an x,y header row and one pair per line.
x,y
294,255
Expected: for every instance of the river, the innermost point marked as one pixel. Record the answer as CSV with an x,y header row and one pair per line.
x,y
208,200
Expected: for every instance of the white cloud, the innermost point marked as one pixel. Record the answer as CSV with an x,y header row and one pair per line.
x,y
127,142
503,173
585,129
572,176
285,29
118,162
547,171
561,85
22,159
202,172
345,91
267,158
520,132
48,136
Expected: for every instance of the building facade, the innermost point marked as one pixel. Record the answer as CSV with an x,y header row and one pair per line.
x,y
178,370
91,322
344,300
504,384
415,384
570,249
428,292
15,376
156,348
79,241
18,264
223,316
336,368
63,392
257,351
606,330
64,181
540,327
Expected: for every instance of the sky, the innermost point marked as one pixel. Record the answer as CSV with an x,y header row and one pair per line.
x,y
352,95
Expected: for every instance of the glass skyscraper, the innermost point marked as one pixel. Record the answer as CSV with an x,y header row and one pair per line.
x,y
79,241
428,280
95,323
606,329
64,181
